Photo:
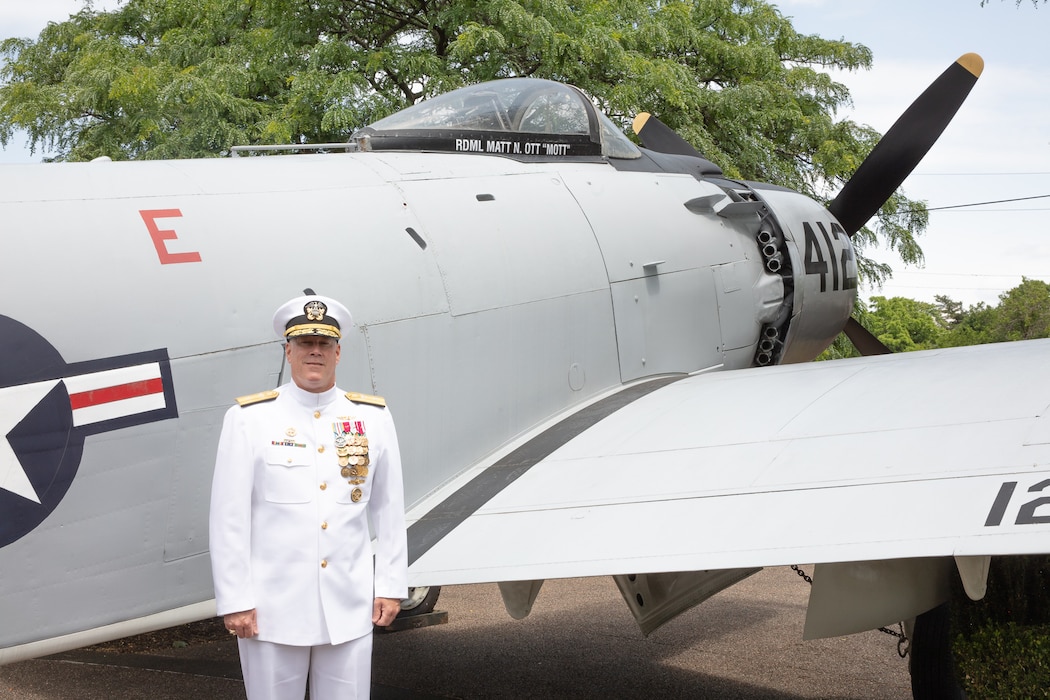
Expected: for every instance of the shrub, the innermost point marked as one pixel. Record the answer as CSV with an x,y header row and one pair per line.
x,y
1005,661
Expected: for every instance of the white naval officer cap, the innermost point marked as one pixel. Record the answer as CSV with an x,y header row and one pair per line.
x,y
311,314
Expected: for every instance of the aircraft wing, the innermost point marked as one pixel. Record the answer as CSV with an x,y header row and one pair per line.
x,y
925,454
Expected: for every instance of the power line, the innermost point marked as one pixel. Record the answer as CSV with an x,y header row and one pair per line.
x,y
957,174
894,285
939,287
967,274
994,201
992,211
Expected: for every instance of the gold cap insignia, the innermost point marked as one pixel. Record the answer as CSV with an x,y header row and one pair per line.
x,y
315,310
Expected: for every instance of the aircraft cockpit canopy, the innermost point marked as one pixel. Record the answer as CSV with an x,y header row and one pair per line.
x,y
517,117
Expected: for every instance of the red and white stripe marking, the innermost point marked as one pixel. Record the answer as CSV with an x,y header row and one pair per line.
x,y
115,393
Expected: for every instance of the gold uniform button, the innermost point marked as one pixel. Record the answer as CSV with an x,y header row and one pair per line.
x,y
324,526
324,486
321,449
317,414
324,563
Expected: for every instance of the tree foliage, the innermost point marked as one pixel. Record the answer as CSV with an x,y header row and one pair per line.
x,y
154,79
1024,312
903,325
191,78
971,327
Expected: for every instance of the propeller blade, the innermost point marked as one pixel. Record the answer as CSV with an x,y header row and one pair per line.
x,y
863,340
905,144
657,136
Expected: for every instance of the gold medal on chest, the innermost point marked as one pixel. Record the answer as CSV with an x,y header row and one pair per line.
x,y
351,449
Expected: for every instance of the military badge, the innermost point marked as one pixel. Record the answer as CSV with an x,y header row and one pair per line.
x,y
351,449
315,310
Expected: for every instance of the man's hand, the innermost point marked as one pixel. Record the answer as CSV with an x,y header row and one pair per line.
x,y
242,624
384,610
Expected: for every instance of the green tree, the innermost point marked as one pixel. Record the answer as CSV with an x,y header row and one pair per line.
x,y
188,78
951,311
903,325
899,323
1024,312
154,79
972,327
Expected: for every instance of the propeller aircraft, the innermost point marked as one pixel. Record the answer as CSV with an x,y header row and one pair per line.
x,y
597,356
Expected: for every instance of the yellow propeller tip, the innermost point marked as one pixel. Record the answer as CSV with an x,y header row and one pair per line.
x,y
639,121
973,63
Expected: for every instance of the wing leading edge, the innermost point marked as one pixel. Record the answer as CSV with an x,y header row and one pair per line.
x,y
921,455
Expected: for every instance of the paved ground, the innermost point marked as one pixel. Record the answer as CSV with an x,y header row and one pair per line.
x,y
579,642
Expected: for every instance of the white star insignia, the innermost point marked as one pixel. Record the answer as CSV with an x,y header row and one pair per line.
x,y
15,404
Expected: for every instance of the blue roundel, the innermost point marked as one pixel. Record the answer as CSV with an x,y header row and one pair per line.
x,y
44,443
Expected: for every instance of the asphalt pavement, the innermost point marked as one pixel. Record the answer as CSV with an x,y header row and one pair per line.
x,y
580,641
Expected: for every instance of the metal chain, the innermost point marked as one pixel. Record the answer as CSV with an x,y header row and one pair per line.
x,y
903,643
800,572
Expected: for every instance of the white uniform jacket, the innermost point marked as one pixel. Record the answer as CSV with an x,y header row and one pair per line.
x,y
289,531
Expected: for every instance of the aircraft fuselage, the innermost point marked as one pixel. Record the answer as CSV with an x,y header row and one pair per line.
x,y
489,296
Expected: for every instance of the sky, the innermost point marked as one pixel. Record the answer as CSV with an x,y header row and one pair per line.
x,y
997,148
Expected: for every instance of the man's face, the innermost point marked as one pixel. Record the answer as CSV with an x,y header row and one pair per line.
x,y
312,359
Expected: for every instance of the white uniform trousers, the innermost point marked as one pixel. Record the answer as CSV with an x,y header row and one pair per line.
x,y
279,672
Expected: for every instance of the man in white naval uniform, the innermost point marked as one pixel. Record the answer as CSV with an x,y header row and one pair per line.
x,y
296,472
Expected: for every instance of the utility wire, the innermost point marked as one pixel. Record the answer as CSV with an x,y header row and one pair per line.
x,y
995,201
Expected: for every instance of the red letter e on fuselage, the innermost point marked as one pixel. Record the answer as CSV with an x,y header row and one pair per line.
x,y
159,236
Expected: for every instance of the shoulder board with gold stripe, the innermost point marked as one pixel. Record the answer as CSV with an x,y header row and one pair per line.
x,y
257,398
366,398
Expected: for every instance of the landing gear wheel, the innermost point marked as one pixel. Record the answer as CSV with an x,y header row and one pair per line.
x,y
420,601
932,666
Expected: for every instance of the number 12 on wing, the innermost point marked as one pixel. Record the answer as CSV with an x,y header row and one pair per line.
x,y
1026,513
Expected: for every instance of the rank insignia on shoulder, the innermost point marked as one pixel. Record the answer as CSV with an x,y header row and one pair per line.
x,y
366,398
257,398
